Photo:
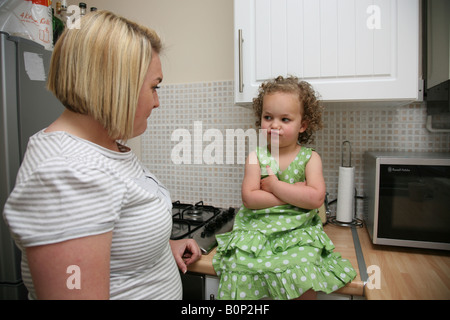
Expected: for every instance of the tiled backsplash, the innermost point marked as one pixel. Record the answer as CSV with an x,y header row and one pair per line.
x,y
198,107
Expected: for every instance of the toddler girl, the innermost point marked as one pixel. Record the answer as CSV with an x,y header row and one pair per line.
x,y
277,247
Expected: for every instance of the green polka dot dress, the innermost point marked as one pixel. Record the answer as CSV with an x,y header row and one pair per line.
x,y
279,252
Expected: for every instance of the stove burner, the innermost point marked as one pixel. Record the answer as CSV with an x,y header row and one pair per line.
x,y
197,212
193,212
200,222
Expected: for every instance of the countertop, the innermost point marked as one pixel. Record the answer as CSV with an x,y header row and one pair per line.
x,y
343,241
399,273
407,273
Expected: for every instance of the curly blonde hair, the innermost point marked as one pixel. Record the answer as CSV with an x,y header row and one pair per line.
x,y
309,99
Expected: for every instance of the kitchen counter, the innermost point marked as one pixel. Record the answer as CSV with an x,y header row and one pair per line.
x,y
404,273
407,273
343,241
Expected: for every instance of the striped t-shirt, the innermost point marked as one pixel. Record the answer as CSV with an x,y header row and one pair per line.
x,y
70,188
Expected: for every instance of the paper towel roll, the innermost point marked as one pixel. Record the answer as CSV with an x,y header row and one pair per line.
x,y
346,189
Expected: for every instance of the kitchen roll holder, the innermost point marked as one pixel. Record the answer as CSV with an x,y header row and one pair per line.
x,y
349,154
345,212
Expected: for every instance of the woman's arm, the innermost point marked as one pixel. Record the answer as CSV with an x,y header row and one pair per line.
x,y
252,195
307,195
52,277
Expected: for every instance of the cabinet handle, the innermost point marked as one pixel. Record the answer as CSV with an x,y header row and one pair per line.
x,y
241,80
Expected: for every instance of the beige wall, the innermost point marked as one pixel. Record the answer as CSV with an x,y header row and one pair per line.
x,y
197,34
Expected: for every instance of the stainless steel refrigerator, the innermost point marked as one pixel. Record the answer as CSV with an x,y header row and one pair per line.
x,y
26,107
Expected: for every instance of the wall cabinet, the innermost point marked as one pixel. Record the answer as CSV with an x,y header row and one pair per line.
x,y
349,50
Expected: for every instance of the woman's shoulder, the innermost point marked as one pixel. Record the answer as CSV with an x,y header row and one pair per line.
x,y
59,154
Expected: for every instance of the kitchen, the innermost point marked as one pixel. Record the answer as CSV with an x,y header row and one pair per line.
x,y
199,85
386,128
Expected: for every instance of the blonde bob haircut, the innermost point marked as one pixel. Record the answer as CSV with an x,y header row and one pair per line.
x,y
99,69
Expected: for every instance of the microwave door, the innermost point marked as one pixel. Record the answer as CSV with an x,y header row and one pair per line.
x,y
414,203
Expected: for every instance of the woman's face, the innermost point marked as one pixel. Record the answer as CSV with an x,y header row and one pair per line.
x,y
148,97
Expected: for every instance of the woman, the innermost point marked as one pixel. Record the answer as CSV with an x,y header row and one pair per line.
x,y
90,220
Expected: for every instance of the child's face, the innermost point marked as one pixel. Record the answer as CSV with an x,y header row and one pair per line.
x,y
282,118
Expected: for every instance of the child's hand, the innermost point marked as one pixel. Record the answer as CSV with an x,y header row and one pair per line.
x,y
268,183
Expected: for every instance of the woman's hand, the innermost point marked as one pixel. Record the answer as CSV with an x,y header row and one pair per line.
x,y
185,252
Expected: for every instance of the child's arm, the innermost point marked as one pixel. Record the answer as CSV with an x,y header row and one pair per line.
x,y
309,195
252,195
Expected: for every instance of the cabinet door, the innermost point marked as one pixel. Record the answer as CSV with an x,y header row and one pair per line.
x,y
357,50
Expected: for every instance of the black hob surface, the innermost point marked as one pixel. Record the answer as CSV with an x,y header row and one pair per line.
x,y
200,222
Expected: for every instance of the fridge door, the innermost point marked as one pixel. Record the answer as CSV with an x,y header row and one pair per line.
x,y
10,278
26,107
37,107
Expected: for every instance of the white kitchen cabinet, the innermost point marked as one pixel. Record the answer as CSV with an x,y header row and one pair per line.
x,y
349,50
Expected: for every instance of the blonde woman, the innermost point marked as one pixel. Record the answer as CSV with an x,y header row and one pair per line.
x,y
90,220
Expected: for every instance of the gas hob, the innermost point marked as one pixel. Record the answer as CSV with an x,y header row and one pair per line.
x,y
201,223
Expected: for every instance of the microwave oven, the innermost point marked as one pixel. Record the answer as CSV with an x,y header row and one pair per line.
x,y
407,199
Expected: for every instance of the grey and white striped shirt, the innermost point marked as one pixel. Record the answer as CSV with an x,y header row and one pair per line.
x,y
70,188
